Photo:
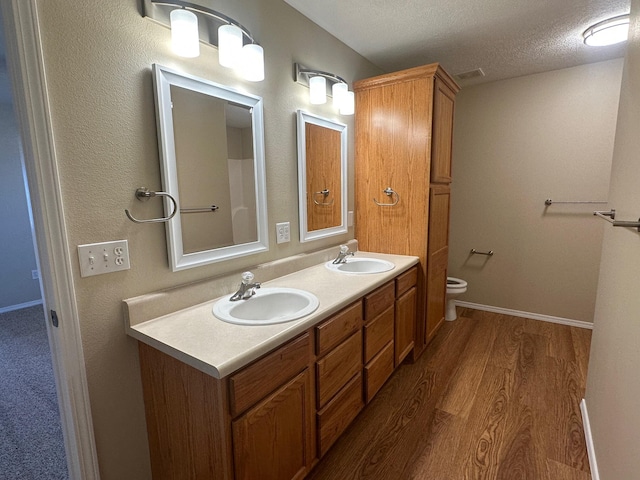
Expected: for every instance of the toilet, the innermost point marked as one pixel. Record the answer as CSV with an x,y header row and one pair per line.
x,y
455,287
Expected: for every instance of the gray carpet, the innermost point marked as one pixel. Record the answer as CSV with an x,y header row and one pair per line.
x,y
31,445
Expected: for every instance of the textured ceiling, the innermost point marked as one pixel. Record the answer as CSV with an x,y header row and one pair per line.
x,y
506,38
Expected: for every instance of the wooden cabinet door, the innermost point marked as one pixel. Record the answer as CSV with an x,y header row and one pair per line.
x,y
441,148
438,254
405,325
274,439
392,151
436,293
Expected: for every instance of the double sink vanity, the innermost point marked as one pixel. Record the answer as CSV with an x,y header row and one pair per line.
x,y
261,387
265,392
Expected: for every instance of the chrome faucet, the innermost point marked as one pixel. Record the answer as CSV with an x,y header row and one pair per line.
x,y
247,289
342,256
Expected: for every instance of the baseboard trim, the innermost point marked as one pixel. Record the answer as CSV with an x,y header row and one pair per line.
x,y
19,306
591,453
533,316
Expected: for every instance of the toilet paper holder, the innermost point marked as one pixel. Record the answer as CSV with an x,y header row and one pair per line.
x,y
477,252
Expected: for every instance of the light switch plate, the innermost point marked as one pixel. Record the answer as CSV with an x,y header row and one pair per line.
x,y
105,257
283,232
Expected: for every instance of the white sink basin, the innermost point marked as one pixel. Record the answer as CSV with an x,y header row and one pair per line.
x,y
270,305
361,265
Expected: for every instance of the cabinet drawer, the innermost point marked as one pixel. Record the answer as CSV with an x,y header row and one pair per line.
x,y
378,301
261,378
406,280
339,413
337,367
378,333
405,322
331,333
377,371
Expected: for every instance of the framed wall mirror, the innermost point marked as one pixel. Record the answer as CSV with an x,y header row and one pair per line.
x,y
322,176
211,141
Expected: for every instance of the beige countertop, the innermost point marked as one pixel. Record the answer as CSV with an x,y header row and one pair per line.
x,y
195,336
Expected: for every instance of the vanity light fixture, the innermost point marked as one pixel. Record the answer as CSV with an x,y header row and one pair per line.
x,y
339,90
185,40
317,90
317,81
608,32
229,45
220,30
347,104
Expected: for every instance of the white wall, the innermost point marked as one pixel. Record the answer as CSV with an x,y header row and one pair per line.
x,y
613,384
98,58
17,256
518,142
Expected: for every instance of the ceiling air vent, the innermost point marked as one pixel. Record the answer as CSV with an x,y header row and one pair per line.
x,y
469,75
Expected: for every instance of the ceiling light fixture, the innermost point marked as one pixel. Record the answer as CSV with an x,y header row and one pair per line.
x,y
316,80
247,59
608,32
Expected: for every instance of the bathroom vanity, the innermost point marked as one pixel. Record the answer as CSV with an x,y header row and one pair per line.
x,y
229,401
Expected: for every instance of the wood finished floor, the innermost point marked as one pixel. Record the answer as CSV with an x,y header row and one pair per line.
x,y
493,397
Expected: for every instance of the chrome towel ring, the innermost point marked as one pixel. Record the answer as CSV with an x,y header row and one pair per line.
x,y
325,193
143,194
389,192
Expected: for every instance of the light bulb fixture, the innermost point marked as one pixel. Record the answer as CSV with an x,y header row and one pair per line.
x,y
229,45
317,90
348,104
608,32
317,81
247,59
185,40
338,91
252,62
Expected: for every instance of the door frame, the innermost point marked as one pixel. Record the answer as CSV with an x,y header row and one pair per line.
x,y
26,65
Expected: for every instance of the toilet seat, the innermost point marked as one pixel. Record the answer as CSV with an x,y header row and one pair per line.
x,y
454,283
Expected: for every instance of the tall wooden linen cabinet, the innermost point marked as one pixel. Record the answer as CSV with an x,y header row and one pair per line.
x,y
404,131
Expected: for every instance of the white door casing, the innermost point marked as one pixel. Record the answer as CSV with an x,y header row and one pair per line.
x,y
24,57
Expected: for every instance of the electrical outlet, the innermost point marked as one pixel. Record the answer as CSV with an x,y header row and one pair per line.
x,y
350,219
283,232
35,274
105,257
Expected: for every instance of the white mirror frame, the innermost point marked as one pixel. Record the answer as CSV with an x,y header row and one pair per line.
x,y
305,234
163,79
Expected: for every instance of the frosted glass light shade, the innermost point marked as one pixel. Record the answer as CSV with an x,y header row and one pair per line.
x,y
185,40
317,90
252,62
229,45
338,91
608,32
348,104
